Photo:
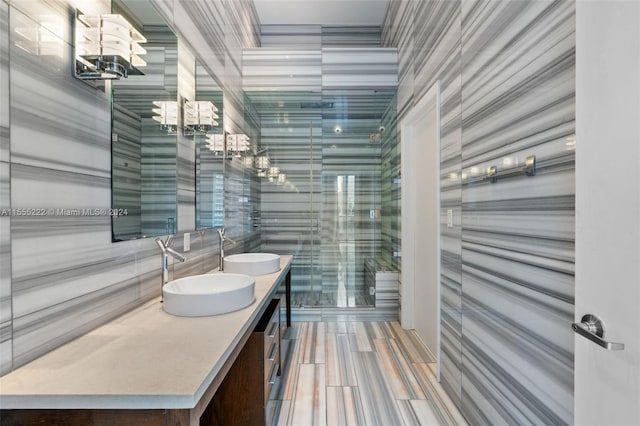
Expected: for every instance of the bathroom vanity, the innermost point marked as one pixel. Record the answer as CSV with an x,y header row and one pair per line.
x,y
150,368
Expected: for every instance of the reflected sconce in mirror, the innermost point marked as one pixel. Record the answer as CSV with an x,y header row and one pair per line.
x,y
262,165
215,143
274,173
237,145
40,39
166,113
199,117
107,47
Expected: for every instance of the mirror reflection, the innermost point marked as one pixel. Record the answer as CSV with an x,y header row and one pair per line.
x,y
144,125
210,151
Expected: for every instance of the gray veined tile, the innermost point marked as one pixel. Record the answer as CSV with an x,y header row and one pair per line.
x,y
418,413
311,338
443,406
377,401
340,362
410,344
6,313
285,412
396,370
360,339
57,121
4,82
309,406
344,407
338,327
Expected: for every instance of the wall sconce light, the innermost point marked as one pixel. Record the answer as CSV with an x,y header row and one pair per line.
x,y
237,144
106,47
199,117
281,178
215,143
166,114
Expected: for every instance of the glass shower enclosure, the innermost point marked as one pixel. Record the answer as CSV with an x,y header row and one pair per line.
x,y
320,163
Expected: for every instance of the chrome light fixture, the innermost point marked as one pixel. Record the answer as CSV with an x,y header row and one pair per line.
x,y
166,113
107,47
199,117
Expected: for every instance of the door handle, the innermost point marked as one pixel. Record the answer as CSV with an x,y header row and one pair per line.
x,y
592,328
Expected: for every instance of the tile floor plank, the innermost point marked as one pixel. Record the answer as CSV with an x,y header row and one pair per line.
x,y
340,371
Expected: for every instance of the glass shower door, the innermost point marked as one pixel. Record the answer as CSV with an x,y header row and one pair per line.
x,y
321,194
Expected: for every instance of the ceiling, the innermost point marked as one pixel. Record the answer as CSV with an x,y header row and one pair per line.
x,y
321,12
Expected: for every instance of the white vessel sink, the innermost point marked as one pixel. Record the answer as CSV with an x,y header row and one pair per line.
x,y
252,263
209,294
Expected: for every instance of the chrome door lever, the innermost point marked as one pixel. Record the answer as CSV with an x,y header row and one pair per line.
x,y
592,328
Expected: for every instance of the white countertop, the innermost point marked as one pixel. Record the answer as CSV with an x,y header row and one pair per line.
x,y
144,359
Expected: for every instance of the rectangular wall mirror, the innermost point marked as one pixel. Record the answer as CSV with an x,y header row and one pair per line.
x,y
210,152
144,126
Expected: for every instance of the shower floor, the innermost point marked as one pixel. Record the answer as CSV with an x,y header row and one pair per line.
x,y
355,298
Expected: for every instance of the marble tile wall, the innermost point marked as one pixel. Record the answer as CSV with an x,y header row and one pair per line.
x,y
291,36
428,34
61,274
507,75
277,69
5,198
518,99
361,36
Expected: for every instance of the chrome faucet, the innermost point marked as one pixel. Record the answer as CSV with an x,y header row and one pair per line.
x,y
223,238
166,251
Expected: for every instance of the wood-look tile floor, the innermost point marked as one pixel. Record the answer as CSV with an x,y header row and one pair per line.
x,y
358,373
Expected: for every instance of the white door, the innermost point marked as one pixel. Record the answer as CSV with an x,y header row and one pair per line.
x,y
420,218
607,383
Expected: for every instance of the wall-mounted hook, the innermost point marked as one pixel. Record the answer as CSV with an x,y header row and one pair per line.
x,y
493,174
530,166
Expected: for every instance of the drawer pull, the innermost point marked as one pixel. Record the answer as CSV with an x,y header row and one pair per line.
x,y
274,351
274,374
274,328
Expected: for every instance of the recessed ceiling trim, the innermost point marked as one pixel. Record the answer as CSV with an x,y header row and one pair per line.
x,y
321,12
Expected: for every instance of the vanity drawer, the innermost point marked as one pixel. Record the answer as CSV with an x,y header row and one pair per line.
x,y
271,369
269,329
273,357
271,337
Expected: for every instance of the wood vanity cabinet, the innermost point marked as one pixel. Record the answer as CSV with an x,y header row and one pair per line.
x,y
242,397
238,395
